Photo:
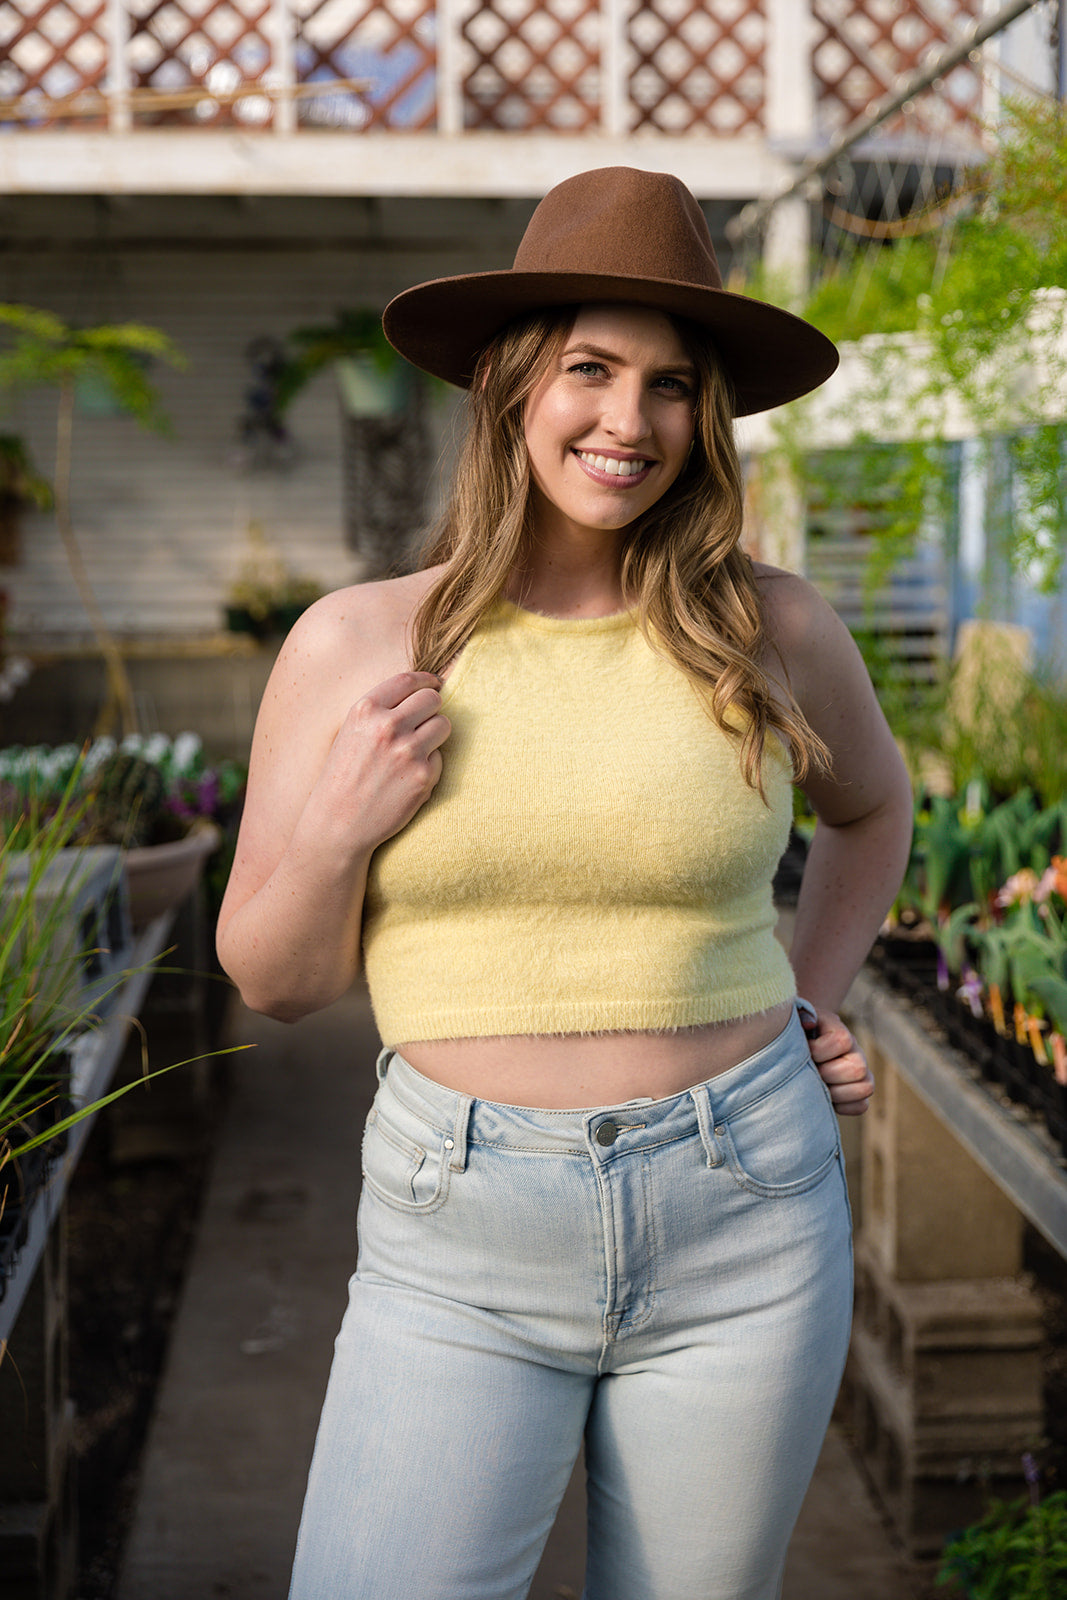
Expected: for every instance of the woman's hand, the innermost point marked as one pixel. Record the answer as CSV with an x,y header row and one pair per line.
x,y
386,758
346,749
841,1063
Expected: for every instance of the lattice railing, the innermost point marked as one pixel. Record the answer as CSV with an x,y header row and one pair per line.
x,y
392,47
686,65
864,48
216,45
534,64
565,66
50,49
698,66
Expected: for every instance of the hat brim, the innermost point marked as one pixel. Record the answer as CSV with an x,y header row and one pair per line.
x,y
770,355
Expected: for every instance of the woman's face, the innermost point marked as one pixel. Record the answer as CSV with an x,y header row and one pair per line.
x,y
608,428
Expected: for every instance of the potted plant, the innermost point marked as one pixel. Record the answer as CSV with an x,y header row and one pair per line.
x,y
34,977
1017,1552
266,597
159,799
64,959
982,914
374,381
40,350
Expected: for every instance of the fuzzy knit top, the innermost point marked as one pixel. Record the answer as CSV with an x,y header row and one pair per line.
x,y
592,858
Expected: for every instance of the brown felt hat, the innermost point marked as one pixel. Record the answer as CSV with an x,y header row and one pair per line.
x,y
624,236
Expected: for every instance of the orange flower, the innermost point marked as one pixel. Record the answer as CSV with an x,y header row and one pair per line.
x,y
1059,1057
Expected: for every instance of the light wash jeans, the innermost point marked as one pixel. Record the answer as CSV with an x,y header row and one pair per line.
x,y
671,1279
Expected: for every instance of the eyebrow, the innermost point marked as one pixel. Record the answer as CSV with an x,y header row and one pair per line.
x,y
583,349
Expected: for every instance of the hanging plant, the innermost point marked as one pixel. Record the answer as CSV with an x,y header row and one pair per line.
x,y
950,336
353,335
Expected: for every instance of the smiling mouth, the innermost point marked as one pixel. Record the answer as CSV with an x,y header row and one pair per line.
x,y
613,465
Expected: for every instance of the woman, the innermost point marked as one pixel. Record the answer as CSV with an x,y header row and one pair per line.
x,y
541,787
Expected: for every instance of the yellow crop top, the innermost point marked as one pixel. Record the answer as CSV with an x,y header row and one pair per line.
x,y
592,858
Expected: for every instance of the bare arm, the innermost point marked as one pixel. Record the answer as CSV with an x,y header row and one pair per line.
x,y
337,767
864,820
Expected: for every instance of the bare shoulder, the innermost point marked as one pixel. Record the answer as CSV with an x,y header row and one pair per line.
x,y
805,635
342,647
789,601
352,638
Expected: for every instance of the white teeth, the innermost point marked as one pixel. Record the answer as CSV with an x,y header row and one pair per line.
x,y
612,464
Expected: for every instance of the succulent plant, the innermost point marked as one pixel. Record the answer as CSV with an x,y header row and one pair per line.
x,y
127,804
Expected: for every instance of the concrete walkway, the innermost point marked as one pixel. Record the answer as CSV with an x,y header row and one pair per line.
x,y
227,1456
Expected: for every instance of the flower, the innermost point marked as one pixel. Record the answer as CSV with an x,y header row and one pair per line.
x,y
1053,881
185,788
970,992
1019,890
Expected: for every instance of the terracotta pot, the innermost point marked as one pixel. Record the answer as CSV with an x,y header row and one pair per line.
x,y
161,875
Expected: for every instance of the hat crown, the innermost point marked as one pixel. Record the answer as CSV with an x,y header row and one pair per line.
x,y
620,222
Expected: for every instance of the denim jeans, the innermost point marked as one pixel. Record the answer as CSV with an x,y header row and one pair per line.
x,y
670,1279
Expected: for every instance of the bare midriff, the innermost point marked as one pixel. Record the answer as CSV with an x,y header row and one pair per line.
x,y
577,1070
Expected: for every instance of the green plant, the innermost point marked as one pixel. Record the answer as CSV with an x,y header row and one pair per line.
x,y
986,884
266,592
43,951
352,333
125,800
36,972
42,350
954,331
19,478
148,790
1017,1552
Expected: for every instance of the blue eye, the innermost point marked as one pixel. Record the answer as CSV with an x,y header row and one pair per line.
x,y
677,386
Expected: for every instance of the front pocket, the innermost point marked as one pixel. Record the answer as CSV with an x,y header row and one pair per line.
x,y
786,1140
403,1173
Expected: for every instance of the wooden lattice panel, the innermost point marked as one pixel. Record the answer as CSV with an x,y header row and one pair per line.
x,y
50,49
866,48
698,65
535,65
219,45
391,46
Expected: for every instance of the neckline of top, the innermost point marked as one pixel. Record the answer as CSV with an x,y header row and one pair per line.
x,y
547,624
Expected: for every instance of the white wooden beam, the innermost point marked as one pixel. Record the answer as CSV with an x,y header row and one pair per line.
x,y
616,107
232,161
283,71
117,26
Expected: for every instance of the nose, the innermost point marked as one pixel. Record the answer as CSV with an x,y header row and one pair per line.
x,y
626,415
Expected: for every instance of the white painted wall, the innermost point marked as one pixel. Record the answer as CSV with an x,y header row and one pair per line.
x,y
163,520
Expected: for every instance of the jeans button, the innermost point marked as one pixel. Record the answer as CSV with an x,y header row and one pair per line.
x,y
607,1133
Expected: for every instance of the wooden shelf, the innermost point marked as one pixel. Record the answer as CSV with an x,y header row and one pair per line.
x,y
1009,1144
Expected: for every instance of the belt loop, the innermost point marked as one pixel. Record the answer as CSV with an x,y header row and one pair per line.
x,y
458,1160
806,1009
381,1066
706,1123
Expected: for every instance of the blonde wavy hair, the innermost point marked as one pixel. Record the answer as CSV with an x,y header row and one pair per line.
x,y
684,574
